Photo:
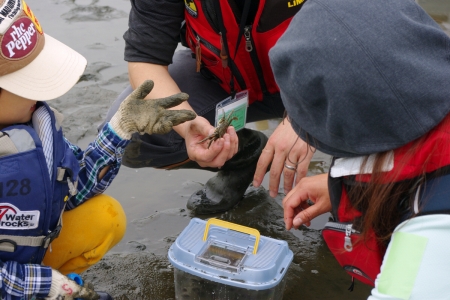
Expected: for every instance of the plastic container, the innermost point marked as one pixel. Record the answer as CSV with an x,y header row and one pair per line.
x,y
222,260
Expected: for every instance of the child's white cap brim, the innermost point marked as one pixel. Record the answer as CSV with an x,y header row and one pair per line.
x,y
50,75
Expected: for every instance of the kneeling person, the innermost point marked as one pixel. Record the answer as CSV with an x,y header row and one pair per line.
x,y
46,181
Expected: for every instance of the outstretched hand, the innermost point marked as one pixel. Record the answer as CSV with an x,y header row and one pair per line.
x,y
297,210
220,150
283,146
136,114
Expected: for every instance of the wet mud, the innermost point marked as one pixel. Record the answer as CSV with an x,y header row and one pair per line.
x,y
155,200
140,273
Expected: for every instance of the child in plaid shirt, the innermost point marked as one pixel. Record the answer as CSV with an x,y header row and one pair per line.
x,y
44,178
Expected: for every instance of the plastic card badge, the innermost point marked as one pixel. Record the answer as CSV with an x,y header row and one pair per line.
x,y
238,105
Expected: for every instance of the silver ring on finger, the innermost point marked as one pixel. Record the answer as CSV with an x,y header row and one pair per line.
x,y
290,167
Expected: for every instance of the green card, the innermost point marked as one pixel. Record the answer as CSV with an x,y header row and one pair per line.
x,y
238,106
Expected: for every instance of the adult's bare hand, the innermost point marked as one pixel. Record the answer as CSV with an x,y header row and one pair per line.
x,y
284,143
220,150
297,210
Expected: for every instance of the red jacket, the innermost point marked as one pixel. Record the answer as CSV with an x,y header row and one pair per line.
x,y
432,159
250,66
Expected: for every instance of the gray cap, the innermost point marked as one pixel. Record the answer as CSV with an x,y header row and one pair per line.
x,y
363,76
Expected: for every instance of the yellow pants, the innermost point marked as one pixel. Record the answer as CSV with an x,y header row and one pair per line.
x,y
88,232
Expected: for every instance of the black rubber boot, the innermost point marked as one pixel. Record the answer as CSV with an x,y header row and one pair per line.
x,y
227,188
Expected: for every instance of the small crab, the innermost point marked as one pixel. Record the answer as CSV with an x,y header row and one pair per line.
x,y
221,129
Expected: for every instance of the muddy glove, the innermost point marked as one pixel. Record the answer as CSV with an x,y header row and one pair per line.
x,y
65,288
149,116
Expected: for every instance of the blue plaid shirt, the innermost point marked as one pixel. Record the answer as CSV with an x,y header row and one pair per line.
x,y
106,150
25,281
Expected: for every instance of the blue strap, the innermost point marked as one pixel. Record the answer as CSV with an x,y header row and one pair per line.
x,y
435,196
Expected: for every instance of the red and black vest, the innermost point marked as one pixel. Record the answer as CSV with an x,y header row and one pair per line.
x,y
232,46
432,195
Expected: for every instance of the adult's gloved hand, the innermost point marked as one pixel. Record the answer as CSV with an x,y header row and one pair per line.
x,y
65,288
149,116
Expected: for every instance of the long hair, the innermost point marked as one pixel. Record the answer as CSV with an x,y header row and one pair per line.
x,y
385,199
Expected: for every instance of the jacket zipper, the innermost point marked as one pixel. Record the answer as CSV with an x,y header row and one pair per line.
x,y
347,228
250,49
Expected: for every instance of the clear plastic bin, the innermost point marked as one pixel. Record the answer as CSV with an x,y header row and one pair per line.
x,y
191,287
223,260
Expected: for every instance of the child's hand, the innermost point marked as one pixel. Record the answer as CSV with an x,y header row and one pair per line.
x,y
149,116
65,288
298,210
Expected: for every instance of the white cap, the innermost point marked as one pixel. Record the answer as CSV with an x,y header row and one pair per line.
x,y
34,65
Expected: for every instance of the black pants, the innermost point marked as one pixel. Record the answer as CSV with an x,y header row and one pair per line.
x,y
204,94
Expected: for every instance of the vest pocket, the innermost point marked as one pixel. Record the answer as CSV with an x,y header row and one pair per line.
x,y
208,56
361,259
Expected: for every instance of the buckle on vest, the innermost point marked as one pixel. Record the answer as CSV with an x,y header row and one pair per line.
x,y
51,236
72,187
62,177
8,245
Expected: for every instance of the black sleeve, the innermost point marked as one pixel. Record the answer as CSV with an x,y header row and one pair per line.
x,y
153,30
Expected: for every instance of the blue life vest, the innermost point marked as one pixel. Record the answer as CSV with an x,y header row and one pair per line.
x,y
31,204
